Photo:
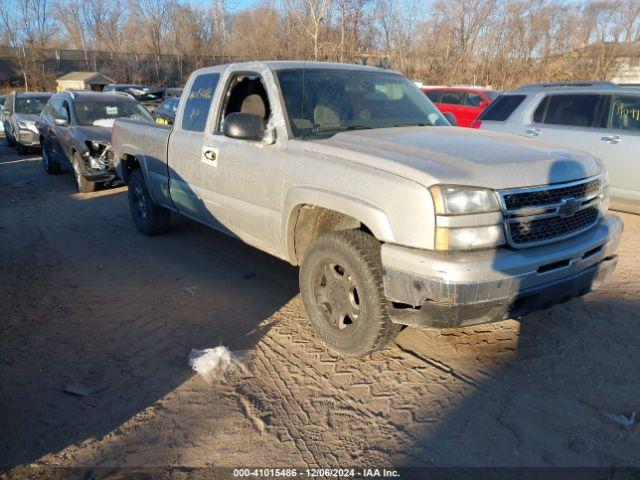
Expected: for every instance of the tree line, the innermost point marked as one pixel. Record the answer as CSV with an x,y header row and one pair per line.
x,y
501,43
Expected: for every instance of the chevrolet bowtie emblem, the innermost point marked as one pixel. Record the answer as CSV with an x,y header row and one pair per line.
x,y
568,207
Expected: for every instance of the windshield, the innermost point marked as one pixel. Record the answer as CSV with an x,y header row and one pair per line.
x,y
30,105
87,113
323,102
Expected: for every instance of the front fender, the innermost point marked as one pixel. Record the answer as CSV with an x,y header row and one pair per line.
x,y
369,215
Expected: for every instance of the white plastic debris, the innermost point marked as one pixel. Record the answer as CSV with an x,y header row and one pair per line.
x,y
623,419
212,364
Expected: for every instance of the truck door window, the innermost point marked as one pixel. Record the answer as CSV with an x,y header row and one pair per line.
x,y
625,112
246,94
196,110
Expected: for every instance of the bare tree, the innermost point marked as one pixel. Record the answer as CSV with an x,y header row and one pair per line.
x,y
155,19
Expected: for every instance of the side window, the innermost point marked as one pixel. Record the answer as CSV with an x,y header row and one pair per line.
x,y
453,97
575,110
65,111
473,100
246,94
196,110
501,109
434,95
539,114
56,108
625,112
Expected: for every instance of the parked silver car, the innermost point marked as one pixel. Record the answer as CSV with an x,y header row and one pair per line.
x,y
601,118
19,115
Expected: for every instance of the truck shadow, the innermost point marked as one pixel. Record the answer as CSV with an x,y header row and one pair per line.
x,y
93,305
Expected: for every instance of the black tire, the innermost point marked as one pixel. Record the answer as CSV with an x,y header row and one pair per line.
x,y
22,150
10,141
84,185
50,166
151,219
343,294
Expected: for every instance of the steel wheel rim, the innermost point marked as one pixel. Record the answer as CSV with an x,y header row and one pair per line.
x,y
337,296
139,203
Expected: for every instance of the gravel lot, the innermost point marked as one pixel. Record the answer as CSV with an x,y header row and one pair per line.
x,y
86,299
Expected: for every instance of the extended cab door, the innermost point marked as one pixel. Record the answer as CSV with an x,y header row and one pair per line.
x,y
246,180
618,144
191,156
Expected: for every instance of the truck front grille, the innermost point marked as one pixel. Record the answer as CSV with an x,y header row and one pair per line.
x,y
539,215
536,198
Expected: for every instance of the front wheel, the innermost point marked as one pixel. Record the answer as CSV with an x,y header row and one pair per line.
x,y
10,140
84,185
150,218
343,294
50,166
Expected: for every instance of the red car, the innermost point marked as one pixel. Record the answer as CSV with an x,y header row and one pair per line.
x,y
465,103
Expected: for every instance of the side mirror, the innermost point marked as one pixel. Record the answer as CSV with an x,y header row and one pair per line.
x,y
244,126
451,118
61,121
482,104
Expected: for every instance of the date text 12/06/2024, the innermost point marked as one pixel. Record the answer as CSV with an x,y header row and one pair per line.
x,y
316,473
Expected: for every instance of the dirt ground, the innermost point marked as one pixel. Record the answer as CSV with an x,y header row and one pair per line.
x,y
85,299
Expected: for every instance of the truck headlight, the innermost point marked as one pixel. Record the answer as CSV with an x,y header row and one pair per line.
x,y
604,196
459,218
453,200
468,237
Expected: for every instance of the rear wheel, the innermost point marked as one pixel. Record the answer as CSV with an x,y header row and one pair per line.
x,y
343,294
84,185
50,166
151,219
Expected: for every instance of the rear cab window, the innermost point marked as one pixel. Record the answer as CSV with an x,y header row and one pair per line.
x,y
501,109
198,102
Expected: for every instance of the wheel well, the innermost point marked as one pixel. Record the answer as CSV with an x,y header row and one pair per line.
x,y
310,221
129,164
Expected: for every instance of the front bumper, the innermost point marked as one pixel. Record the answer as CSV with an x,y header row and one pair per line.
x,y
456,289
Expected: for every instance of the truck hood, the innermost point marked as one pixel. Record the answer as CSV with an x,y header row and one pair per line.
x,y
444,155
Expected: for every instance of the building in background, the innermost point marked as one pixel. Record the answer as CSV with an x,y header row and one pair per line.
x,y
94,81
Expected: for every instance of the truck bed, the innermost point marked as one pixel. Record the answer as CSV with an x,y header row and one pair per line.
x,y
140,138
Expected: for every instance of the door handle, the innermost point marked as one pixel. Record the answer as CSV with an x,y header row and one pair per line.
x,y
533,132
210,156
613,139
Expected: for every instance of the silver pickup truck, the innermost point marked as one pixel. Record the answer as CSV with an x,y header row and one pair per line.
x,y
395,217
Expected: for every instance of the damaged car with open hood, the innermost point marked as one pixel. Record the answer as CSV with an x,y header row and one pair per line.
x,y
75,134
20,113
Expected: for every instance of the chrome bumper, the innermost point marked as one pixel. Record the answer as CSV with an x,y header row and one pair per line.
x,y
466,288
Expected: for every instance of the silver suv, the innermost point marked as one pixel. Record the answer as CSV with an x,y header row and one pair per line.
x,y
600,118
